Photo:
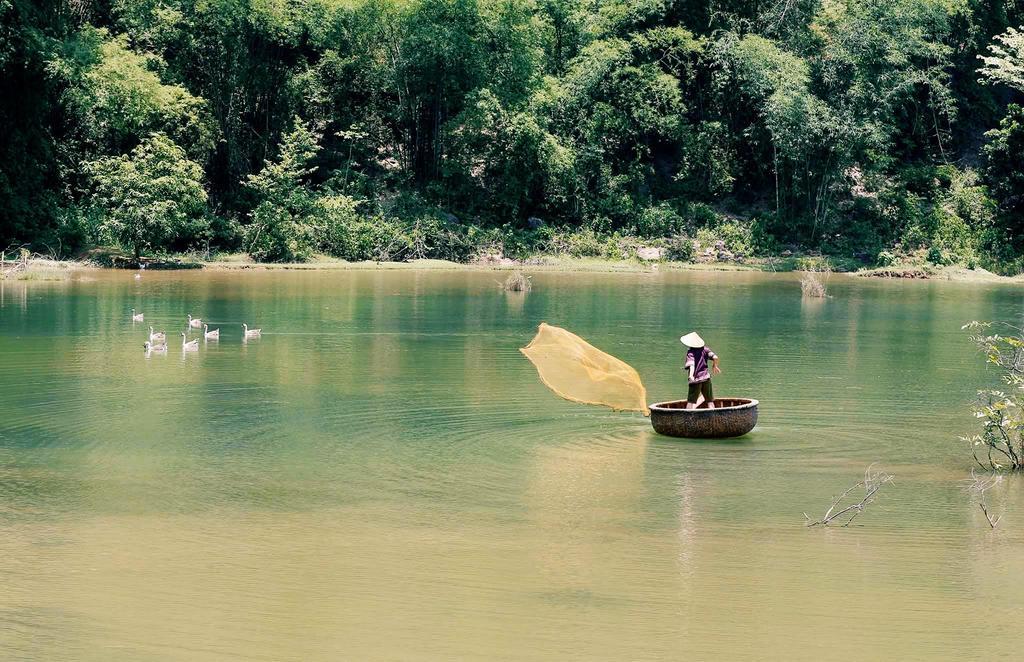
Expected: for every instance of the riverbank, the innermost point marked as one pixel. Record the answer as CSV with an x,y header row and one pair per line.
x,y
46,269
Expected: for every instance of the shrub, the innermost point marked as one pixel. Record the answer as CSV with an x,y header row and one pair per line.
x,y
1001,441
964,214
438,239
280,233
338,222
379,239
226,233
886,259
679,249
658,221
578,243
700,215
76,228
738,236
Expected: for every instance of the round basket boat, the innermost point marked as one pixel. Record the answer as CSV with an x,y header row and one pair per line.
x,y
731,417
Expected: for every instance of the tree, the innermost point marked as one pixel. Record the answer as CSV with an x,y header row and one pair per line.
x,y
1006,64
887,65
29,180
1003,169
282,226
149,196
113,98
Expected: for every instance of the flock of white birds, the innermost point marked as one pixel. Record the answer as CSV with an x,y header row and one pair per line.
x,y
158,339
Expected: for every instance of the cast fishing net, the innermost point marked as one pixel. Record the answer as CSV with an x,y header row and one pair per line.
x,y
578,371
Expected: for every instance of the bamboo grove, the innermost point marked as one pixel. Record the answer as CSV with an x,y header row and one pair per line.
x,y
382,129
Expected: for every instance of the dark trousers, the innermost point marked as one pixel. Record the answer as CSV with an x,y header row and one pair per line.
x,y
698,388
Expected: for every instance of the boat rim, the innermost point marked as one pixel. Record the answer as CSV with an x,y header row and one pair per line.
x,y
748,403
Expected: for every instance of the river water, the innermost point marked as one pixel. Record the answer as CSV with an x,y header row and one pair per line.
x,y
381,475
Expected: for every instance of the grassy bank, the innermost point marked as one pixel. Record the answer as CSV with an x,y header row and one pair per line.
x,y
36,268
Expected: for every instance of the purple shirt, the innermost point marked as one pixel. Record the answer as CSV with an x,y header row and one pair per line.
x,y
698,357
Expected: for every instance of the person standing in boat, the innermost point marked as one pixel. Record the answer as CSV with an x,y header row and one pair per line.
x,y
696,365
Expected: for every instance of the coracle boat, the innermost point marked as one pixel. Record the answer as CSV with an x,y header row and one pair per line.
x,y
731,417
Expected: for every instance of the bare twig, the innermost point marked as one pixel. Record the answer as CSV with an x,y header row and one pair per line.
x,y
978,489
873,481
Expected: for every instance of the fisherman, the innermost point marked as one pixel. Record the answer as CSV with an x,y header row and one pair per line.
x,y
696,365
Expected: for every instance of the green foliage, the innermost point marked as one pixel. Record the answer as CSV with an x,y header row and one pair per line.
x,y
438,239
338,218
659,221
149,197
1003,170
679,249
283,224
886,259
1000,445
965,217
379,239
117,96
1006,63
827,124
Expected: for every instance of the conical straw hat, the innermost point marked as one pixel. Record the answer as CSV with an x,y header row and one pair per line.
x,y
692,340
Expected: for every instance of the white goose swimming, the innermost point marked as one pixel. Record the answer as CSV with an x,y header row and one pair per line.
x,y
211,335
158,347
187,345
251,333
155,336
195,323
136,318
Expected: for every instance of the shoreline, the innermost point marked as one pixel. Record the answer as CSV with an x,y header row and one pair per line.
x,y
45,269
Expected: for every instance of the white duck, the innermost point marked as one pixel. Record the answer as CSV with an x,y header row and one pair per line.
x,y
195,323
211,335
158,347
157,336
136,318
251,333
189,346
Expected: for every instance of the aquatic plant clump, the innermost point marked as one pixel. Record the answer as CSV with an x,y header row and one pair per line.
x,y
517,282
814,283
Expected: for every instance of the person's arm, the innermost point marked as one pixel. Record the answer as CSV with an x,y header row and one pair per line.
x,y
714,366
689,365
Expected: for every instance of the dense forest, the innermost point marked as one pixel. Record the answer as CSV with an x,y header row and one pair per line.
x,y
389,129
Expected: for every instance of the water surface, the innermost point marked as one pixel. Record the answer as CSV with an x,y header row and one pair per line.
x,y
382,476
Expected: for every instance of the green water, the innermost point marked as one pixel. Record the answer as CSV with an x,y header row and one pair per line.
x,y
382,476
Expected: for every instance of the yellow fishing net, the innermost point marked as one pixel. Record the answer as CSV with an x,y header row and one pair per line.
x,y
578,371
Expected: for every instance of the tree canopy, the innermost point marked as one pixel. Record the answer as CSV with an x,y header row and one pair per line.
x,y
825,124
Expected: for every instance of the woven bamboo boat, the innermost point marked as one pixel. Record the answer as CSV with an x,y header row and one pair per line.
x,y
731,417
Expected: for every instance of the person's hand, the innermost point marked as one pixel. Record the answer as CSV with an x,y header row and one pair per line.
x,y
716,370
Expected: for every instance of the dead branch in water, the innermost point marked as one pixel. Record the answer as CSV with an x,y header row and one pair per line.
x,y
978,489
873,481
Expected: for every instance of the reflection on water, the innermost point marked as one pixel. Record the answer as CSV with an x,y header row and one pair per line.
x,y
381,476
